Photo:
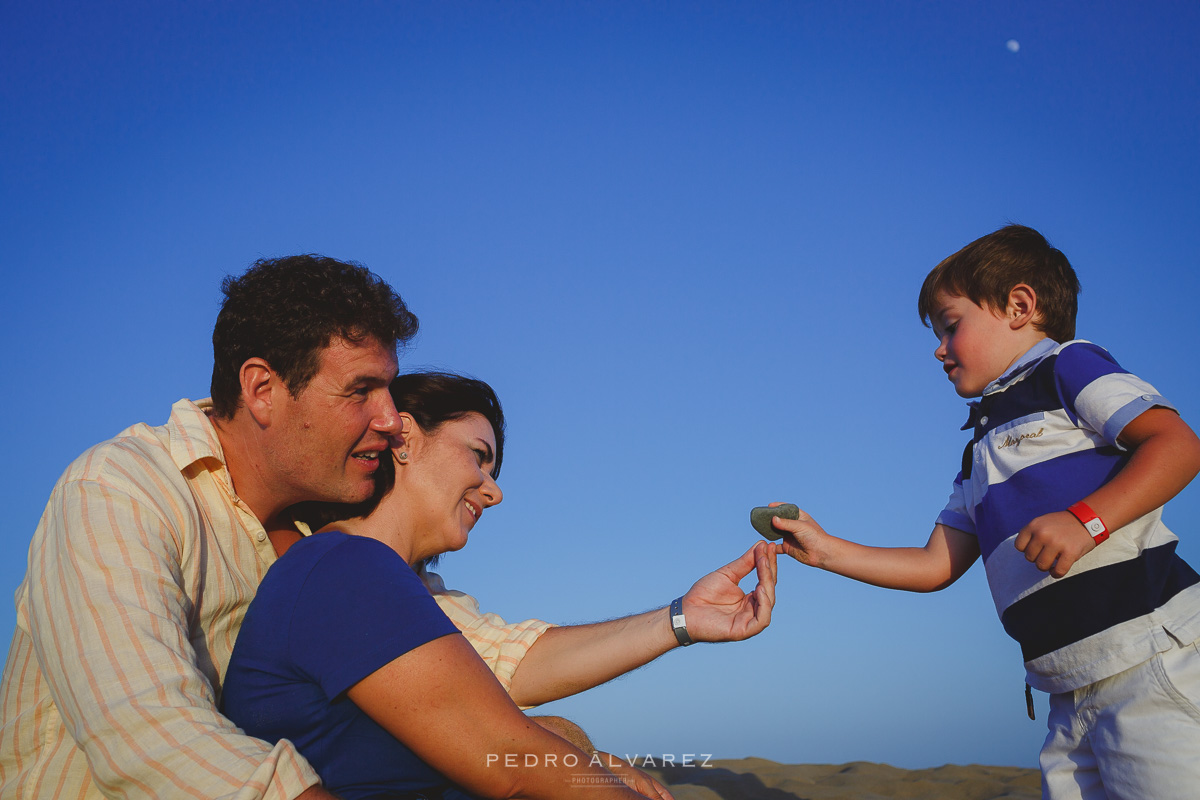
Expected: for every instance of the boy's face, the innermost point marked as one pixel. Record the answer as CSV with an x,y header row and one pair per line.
x,y
976,344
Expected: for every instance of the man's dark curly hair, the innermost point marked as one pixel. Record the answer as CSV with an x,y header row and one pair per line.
x,y
286,310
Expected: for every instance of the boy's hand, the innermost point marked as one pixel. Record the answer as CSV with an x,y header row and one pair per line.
x,y
803,539
1054,542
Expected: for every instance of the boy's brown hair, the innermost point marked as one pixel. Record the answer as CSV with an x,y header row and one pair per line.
x,y
987,269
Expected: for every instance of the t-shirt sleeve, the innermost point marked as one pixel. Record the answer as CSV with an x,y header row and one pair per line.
x,y
361,607
1097,393
956,514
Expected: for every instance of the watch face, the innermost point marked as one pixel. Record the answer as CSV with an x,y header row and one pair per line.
x,y
678,621
1095,526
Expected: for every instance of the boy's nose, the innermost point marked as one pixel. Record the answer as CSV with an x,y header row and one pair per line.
x,y
940,352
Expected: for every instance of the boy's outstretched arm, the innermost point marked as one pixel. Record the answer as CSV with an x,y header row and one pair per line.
x,y
944,558
1165,456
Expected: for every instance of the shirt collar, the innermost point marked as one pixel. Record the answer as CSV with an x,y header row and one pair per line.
x,y
1030,357
1027,360
193,437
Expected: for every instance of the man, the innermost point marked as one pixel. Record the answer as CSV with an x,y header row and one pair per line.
x,y
153,545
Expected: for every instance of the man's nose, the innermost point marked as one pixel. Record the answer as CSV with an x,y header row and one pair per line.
x,y
387,419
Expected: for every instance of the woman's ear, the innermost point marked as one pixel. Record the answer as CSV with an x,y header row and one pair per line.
x,y
405,439
1022,306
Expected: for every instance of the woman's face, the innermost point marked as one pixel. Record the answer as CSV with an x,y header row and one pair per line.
x,y
447,483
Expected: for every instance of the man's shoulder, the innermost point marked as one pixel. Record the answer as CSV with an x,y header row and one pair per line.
x,y
143,449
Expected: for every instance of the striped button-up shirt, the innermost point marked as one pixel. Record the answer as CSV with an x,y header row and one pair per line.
x,y
140,573
500,644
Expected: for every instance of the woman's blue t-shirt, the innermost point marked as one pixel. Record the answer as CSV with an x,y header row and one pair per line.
x,y
332,610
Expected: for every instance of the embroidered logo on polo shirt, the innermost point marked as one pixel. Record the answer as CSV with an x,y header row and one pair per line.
x,y
1013,441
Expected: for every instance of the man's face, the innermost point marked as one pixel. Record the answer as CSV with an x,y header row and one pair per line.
x,y
329,439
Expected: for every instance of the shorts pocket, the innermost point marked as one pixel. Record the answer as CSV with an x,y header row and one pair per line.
x,y
1178,669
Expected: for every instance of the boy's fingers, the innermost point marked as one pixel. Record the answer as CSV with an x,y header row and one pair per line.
x,y
1032,551
798,525
1022,540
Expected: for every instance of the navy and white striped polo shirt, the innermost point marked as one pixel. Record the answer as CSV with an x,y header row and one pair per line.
x,y
1044,437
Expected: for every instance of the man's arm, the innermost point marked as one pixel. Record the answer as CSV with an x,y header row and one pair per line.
x,y
569,659
943,560
1165,458
112,628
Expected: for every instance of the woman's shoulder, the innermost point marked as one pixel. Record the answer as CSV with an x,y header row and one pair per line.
x,y
334,553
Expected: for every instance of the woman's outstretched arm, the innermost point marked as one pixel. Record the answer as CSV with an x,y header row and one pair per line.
x,y
572,658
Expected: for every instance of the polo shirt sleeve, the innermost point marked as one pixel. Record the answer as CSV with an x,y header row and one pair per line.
x,y
360,608
956,514
1098,394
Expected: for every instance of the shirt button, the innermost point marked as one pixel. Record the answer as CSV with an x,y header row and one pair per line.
x,y
1146,397
262,536
983,420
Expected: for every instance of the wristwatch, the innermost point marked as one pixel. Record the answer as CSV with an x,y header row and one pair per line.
x,y
678,623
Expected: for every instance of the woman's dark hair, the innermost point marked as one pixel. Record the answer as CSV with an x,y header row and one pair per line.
x,y
287,310
433,399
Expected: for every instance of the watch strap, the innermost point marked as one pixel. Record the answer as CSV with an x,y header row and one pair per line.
x,y
678,623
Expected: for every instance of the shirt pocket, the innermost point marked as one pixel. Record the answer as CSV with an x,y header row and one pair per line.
x,y
1016,444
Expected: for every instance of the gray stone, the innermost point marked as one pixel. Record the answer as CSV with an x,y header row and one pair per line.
x,y
761,516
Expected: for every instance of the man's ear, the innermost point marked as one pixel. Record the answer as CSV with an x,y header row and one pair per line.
x,y
1022,306
259,383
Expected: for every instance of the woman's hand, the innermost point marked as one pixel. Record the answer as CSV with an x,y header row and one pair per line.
x,y
717,610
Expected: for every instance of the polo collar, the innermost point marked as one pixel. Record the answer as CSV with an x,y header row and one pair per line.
x,y
1031,356
1027,361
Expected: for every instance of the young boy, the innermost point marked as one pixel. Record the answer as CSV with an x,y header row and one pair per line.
x,y
1061,491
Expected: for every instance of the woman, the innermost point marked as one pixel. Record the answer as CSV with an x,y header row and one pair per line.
x,y
345,653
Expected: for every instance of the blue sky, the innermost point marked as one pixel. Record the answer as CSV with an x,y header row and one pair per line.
x,y
683,241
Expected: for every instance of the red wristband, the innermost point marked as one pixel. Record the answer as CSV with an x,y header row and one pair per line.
x,y
1091,520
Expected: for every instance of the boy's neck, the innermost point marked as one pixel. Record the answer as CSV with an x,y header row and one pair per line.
x,y
1032,349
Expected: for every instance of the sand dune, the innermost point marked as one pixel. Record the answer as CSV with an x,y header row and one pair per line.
x,y
760,779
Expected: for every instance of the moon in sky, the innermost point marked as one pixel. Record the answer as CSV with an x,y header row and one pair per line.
x,y
1013,45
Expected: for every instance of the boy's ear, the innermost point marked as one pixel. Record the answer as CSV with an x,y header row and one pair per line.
x,y
1022,306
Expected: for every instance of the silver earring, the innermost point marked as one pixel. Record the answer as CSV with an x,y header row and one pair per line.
x,y
402,457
